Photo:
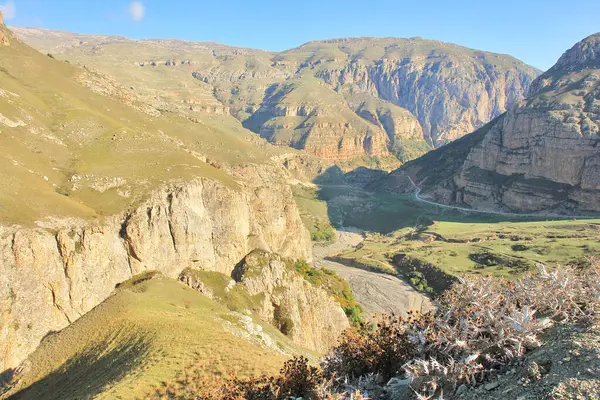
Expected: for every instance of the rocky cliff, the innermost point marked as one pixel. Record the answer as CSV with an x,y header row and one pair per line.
x,y
451,90
307,314
50,277
314,97
116,192
540,156
4,33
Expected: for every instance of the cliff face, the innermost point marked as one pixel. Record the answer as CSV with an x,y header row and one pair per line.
x,y
307,314
51,277
450,95
541,155
4,34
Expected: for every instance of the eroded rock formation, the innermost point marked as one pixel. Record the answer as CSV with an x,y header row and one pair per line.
x,y
51,277
307,314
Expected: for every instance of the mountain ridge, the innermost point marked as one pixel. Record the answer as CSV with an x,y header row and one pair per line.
x,y
540,156
447,88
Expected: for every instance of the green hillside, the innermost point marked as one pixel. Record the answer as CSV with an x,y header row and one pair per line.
x,y
146,333
72,152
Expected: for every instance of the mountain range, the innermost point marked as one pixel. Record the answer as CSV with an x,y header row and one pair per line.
x,y
338,99
158,195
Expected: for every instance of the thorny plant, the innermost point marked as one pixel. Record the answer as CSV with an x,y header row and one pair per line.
x,y
480,325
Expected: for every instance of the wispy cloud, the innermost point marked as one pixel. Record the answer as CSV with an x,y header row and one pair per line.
x,y
9,9
136,11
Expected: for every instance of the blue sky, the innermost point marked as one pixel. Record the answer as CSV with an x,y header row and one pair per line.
x,y
535,31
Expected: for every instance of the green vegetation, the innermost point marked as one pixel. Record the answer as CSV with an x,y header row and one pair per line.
x,y
313,213
498,249
66,145
220,286
481,327
334,285
405,237
148,332
323,232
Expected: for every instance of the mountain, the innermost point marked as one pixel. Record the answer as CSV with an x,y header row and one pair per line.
x,y
147,332
338,99
542,155
99,186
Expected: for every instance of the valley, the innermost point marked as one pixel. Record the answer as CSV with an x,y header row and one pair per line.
x,y
450,239
347,219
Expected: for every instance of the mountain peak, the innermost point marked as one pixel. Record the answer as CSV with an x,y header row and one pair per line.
x,y
583,54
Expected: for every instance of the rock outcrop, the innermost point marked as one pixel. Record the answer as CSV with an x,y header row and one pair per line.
x,y
307,314
450,90
117,192
50,277
4,33
540,156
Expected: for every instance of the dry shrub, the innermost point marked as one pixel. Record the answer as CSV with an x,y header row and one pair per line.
x,y
381,350
481,324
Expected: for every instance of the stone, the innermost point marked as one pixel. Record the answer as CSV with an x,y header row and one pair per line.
x,y
462,389
311,317
49,278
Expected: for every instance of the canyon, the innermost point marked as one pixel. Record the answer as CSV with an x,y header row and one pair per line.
x,y
341,99
541,156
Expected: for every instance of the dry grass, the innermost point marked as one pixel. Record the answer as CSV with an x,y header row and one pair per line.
x,y
145,334
481,325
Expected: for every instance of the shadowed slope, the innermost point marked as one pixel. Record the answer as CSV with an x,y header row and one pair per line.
x,y
143,335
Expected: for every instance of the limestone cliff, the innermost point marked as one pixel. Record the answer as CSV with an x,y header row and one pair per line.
x,y
307,314
307,115
449,89
4,33
49,277
116,192
540,156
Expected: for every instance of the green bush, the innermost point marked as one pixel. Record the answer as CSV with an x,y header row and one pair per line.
x,y
322,232
334,285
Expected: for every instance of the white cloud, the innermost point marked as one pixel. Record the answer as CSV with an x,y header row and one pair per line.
x,y
136,11
9,9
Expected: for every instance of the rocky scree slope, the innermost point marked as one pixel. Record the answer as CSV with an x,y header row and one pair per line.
x,y
339,99
96,192
541,155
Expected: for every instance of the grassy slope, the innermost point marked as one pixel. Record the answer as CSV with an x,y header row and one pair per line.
x,y
510,245
445,238
69,130
140,337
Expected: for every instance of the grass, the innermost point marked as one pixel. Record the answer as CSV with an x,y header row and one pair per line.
x,y
69,130
498,249
314,213
150,331
236,298
452,241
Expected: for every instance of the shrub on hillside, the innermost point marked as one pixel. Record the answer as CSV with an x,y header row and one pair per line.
x,y
480,326
322,232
